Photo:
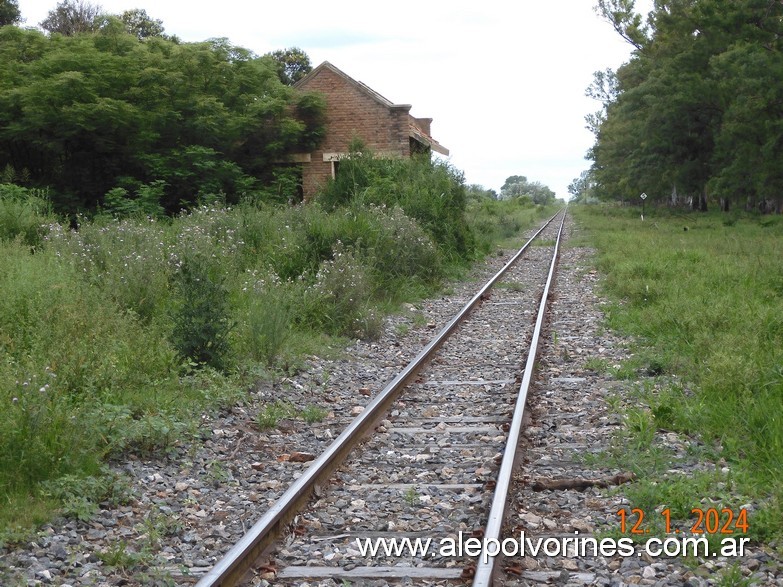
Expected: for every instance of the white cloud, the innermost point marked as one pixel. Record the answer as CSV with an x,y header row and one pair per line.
x,y
503,81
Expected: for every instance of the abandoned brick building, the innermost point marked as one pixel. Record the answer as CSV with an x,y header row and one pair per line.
x,y
355,111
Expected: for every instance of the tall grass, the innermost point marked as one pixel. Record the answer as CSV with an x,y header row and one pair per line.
x,y
499,222
23,214
66,352
705,299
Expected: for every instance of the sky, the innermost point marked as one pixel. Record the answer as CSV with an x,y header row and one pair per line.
x,y
503,81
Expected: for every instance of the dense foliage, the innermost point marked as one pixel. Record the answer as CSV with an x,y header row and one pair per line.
x,y
87,113
292,64
71,17
9,12
431,192
696,113
518,186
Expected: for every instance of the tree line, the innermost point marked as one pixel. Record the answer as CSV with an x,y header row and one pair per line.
x,y
109,104
696,115
518,186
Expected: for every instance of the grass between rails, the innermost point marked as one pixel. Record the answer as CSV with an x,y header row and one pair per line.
x,y
115,338
702,295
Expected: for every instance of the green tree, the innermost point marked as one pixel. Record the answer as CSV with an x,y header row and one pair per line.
x,y
138,23
9,12
582,188
695,113
479,192
622,15
292,64
513,186
749,145
92,112
71,17
517,186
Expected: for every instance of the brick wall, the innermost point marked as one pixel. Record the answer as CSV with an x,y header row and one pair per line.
x,y
424,124
353,112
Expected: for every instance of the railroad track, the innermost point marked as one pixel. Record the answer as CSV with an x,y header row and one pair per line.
x,y
437,458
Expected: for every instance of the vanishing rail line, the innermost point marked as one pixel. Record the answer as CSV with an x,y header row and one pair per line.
x,y
453,424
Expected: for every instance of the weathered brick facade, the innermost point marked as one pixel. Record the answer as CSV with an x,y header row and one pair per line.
x,y
354,111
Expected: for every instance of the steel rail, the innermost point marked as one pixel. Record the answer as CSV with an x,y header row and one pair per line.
x,y
240,558
485,567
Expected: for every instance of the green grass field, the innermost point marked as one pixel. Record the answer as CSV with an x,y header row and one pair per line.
x,y
702,297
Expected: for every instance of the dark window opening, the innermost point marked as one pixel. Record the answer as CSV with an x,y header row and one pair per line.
x,y
418,148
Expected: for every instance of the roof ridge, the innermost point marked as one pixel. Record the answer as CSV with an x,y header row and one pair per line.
x,y
361,85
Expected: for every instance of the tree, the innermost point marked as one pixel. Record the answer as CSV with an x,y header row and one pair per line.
x,y
748,154
696,111
292,64
9,12
86,114
583,187
513,186
621,14
71,17
517,186
479,192
139,24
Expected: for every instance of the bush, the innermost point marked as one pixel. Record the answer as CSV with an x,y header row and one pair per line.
x,y
126,259
201,316
146,203
337,302
431,192
23,215
398,247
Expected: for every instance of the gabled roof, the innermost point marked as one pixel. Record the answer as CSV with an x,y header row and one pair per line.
x,y
415,132
361,86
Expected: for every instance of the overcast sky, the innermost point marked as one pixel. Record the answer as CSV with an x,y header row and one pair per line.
x,y
503,81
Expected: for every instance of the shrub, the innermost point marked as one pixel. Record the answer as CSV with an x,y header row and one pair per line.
x,y
23,215
431,192
201,316
80,496
268,324
337,301
398,247
146,203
